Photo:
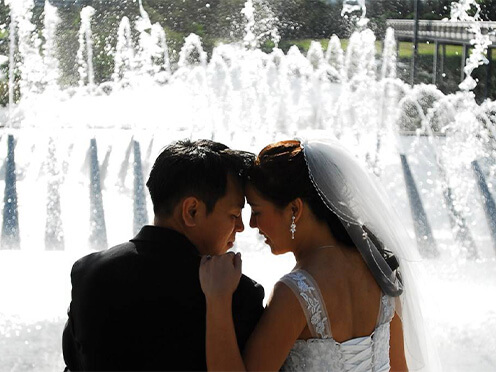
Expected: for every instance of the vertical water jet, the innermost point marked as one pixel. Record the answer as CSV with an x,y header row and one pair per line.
x,y
54,234
140,212
146,162
50,60
125,64
459,226
10,227
423,232
105,164
121,178
456,218
487,200
85,51
98,231
335,56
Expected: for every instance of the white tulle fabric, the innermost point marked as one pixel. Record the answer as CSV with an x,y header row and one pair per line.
x,y
358,199
322,352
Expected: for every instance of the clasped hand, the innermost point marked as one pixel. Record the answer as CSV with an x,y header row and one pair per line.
x,y
220,275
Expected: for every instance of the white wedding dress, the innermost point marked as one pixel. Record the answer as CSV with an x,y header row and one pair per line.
x,y
322,352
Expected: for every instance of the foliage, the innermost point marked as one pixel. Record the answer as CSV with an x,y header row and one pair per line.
x,y
301,19
488,10
214,21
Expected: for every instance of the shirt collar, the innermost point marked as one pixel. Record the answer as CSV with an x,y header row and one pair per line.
x,y
171,240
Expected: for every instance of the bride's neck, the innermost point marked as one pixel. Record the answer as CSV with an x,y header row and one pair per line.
x,y
312,244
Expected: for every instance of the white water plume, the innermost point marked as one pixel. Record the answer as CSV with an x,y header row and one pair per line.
x,y
250,40
480,42
192,53
29,61
85,51
50,60
124,63
261,24
388,69
335,57
160,54
355,10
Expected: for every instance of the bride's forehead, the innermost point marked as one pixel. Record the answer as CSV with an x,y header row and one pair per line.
x,y
251,192
255,198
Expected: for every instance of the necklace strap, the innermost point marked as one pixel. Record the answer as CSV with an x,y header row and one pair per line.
x,y
326,246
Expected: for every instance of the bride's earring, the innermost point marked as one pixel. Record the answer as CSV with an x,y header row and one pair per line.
x,y
292,227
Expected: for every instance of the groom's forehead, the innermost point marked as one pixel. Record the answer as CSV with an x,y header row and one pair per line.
x,y
237,196
238,199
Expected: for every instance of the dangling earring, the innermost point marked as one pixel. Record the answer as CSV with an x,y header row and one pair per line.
x,y
292,227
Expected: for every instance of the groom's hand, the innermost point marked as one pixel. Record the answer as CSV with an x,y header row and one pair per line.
x,y
220,275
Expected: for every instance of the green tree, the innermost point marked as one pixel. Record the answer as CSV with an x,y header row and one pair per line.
x,y
302,19
488,10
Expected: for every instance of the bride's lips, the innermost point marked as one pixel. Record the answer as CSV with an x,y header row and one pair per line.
x,y
230,244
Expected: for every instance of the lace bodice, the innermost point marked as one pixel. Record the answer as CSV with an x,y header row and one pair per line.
x,y
322,352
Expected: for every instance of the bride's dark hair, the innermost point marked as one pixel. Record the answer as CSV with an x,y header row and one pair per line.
x,y
280,174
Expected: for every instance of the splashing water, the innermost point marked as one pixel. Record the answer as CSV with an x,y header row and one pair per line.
x,y
388,69
356,11
460,12
246,98
85,52
50,60
248,11
257,30
124,63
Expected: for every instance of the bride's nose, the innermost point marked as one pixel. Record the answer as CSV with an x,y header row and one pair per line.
x,y
253,221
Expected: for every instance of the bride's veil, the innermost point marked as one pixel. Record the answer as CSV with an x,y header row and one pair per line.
x,y
355,196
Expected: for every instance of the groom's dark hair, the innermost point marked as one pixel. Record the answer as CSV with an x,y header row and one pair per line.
x,y
194,168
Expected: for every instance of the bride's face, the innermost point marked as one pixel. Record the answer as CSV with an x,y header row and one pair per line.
x,y
272,222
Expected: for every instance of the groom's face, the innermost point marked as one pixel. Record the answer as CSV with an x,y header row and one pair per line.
x,y
217,230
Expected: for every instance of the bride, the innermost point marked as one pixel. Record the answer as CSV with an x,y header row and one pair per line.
x,y
350,302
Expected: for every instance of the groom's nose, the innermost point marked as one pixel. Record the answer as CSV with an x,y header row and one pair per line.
x,y
239,224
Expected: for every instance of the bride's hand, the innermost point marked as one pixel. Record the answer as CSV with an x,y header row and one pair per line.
x,y
220,275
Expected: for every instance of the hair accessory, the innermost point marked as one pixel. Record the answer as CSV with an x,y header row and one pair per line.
x,y
292,227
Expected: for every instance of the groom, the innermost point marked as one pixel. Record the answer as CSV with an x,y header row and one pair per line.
x,y
139,305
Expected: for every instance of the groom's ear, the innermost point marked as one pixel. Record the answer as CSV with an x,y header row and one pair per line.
x,y
189,211
297,208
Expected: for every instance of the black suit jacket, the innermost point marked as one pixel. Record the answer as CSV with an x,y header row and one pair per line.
x,y
139,306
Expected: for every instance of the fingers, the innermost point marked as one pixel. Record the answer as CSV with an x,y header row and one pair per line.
x,y
238,263
222,262
220,275
236,258
232,255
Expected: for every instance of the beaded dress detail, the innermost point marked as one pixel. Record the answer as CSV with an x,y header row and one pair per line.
x,y
322,352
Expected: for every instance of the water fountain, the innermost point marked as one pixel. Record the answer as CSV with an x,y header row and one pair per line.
x,y
74,160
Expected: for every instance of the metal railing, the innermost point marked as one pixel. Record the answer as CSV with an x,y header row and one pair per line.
x,y
442,31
